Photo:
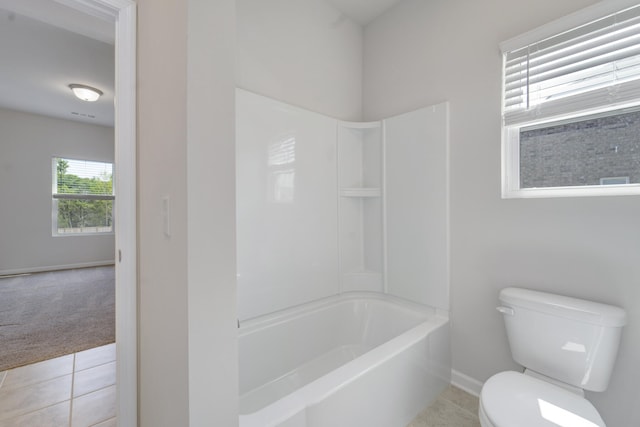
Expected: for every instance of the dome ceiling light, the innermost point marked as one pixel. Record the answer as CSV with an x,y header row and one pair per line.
x,y
85,93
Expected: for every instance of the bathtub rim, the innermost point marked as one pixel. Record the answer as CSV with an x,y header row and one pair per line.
x,y
257,323
292,404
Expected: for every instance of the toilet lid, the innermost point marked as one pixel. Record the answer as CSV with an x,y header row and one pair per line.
x,y
511,399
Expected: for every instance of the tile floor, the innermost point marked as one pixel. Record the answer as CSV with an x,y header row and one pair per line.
x,y
453,408
77,390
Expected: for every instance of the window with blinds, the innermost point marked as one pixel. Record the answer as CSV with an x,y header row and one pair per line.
x,y
82,193
571,91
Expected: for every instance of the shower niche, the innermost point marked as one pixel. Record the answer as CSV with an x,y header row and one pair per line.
x,y
360,148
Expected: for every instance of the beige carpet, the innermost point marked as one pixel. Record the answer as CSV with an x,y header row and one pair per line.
x,y
46,315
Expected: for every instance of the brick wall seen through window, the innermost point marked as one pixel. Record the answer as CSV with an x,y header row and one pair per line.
x,y
582,152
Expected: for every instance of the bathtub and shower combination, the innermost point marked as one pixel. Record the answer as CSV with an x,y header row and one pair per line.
x,y
342,266
356,359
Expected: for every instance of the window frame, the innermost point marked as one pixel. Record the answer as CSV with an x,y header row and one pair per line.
x,y
55,197
511,165
510,135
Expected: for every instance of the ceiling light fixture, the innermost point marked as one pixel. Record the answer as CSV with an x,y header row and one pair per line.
x,y
86,93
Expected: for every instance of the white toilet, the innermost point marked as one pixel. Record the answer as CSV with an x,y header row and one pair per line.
x,y
566,345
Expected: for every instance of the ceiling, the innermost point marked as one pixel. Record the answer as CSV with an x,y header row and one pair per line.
x,y
363,11
46,46
40,59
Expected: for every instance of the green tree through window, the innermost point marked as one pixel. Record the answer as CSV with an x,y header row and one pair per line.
x,y
83,197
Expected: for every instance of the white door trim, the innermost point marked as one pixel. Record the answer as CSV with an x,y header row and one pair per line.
x,y
126,215
123,14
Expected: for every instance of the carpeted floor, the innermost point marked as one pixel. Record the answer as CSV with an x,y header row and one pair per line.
x,y
46,315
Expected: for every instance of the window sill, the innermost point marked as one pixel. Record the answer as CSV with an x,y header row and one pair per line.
x,y
585,191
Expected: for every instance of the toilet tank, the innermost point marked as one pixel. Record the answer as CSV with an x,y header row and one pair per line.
x,y
568,339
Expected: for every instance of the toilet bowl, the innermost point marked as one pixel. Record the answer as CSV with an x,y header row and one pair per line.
x,y
513,399
567,345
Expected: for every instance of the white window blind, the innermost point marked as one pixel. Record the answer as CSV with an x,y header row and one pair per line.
x,y
82,179
590,66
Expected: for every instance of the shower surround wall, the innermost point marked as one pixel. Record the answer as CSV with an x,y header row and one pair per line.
x,y
417,205
312,220
286,205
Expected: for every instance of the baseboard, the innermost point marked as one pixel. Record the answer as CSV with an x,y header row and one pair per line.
x,y
27,270
466,383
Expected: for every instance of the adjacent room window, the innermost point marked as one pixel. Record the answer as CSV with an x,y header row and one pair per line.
x,y
615,180
571,105
82,197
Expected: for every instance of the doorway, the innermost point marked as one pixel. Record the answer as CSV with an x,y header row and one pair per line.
x,y
120,15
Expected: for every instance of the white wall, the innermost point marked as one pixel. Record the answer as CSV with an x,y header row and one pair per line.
x,y
213,344
163,386
302,52
28,143
421,53
187,296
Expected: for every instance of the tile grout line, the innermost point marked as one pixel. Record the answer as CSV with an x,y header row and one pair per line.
x,y
96,366
93,391
30,385
32,412
73,381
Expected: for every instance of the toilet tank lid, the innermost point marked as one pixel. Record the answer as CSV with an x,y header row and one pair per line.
x,y
567,307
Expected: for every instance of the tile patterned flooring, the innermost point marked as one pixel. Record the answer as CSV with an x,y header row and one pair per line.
x,y
77,390
453,408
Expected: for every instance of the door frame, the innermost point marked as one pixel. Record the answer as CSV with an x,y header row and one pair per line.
x,y
123,14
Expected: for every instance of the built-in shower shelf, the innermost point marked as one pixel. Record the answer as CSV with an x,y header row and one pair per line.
x,y
360,125
360,192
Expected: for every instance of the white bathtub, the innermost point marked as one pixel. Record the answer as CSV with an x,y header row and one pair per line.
x,y
356,359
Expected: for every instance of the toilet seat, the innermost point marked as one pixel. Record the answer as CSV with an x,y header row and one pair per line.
x,y
511,399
